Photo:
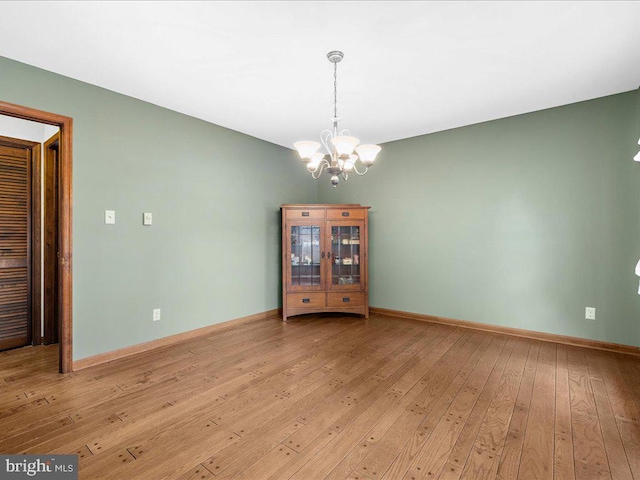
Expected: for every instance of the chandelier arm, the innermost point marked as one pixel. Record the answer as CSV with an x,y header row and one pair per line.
x,y
325,137
318,171
355,169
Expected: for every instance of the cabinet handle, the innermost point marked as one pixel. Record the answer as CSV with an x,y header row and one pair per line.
x,y
346,299
329,255
305,214
322,255
306,300
345,214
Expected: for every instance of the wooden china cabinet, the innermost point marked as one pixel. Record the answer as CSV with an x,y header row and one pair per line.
x,y
324,259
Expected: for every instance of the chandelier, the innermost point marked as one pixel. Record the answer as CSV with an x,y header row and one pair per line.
x,y
637,159
339,144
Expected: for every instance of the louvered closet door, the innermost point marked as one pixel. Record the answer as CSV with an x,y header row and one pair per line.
x,y
14,247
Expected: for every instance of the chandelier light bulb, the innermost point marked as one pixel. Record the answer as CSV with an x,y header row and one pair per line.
x,y
345,145
314,162
368,153
350,163
637,157
306,148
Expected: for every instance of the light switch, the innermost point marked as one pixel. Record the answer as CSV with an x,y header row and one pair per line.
x,y
110,217
147,218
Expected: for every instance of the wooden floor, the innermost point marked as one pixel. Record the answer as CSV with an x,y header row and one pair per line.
x,y
333,398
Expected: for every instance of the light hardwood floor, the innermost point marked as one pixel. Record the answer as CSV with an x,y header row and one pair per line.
x,y
333,397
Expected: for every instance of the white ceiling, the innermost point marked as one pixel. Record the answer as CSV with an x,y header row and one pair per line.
x,y
410,68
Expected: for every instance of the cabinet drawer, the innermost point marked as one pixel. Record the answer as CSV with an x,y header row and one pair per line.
x,y
302,214
346,214
344,299
302,300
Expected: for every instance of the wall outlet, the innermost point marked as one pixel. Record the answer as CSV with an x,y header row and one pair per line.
x,y
156,314
590,313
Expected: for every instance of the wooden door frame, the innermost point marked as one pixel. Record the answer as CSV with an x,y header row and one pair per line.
x,y
47,339
65,205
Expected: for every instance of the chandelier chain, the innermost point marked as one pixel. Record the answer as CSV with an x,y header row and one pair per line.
x,y
335,93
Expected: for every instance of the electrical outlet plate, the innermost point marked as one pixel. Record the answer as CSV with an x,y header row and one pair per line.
x,y
147,218
590,313
156,314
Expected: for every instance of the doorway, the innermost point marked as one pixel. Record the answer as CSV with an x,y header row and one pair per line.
x,y
62,289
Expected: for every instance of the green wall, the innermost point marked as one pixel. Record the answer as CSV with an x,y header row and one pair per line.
x,y
520,222
213,252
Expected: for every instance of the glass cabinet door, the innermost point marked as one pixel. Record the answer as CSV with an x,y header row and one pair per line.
x,y
346,262
304,257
